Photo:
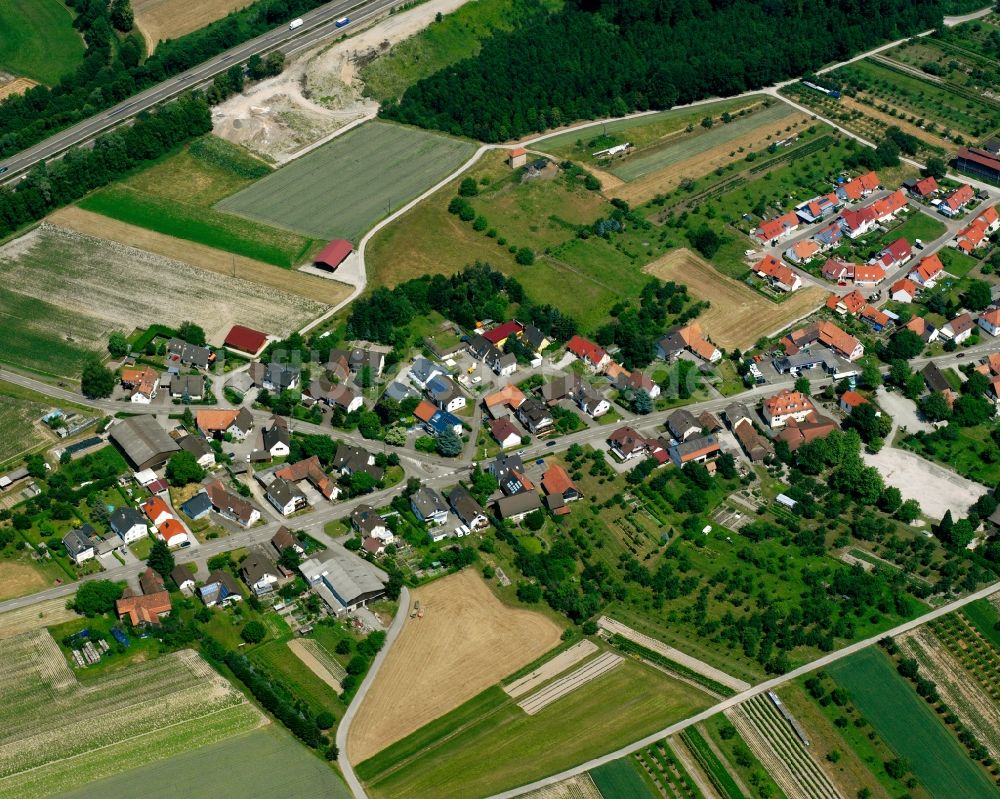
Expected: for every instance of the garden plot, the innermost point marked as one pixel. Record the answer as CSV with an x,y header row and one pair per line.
x,y
667,772
319,662
956,686
616,627
59,734
551,668
19,422
565,685
95,286
966,645
777,746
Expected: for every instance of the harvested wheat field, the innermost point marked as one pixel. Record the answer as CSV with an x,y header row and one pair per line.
x,y
466,641
739,315
18,579
328,292
105,286
579,787
702,161
167,19
16,86
41,614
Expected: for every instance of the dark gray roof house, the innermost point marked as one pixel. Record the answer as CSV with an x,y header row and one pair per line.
x,y
125,518
670,345
467,509
350,459
428,504
935,379
518,506
682,424
533,337
280,377
557,388
276,434
365,519
398,391
197,446
508,469
183,576
189,354
481,349
197,506
80,542
143,441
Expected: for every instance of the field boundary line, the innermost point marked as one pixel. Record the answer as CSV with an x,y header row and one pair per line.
x,y
760,688
143,735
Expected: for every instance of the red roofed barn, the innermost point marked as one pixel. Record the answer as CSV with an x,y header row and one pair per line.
x,y
246,339
333,254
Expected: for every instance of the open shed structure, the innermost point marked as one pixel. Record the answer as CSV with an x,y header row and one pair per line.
x,y
333,254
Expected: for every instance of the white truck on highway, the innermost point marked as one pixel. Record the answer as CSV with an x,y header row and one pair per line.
x,y
295,23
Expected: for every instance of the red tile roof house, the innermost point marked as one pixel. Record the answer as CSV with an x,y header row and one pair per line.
x,y
144,609
903,290
333,255
868,274
795,434
922,328
827,334
781,227
899,252
856,223
850,400
925,187
777,274
836,270
245,339
815,209
499,334
849,304
874,317
927,271
957,200
989,320
785,405
861,186
592,355
972,236
802,251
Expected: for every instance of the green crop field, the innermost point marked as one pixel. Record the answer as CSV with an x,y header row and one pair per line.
x,y
17,420
45,338
58,734
644,163
38,39
985,618
456,36
445,760
344,187
174,196
910,727
266,762
620,779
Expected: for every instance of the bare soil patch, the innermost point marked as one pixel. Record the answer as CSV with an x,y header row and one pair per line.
x,y
319,92
16,86
167,19
739,315
466,641
33,617
328,292
551,668
663,180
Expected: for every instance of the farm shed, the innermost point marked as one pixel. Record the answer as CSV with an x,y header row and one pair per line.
x,y
143,441
333,254
245,339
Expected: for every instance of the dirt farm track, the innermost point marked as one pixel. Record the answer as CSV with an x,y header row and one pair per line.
x,y
739,315
466,641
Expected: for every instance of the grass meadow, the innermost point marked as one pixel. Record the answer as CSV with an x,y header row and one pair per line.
x,y
176,194
985,618
445,759
38,40
265,762
620,779
344,187
910,727
18,415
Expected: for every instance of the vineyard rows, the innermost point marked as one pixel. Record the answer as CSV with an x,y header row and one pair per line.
x,y
714,768
785,756
672,781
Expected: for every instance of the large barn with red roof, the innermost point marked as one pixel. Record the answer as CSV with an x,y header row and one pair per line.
x,y
333,254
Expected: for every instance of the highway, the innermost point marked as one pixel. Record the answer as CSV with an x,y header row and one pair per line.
x,y
317,25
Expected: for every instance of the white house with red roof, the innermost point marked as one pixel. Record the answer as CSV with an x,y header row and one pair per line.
x,y
957,200
927,272
903,290
818,207
593,356
858,188
868,274
777,274
989,320
779,228
972,236
787,404
924,187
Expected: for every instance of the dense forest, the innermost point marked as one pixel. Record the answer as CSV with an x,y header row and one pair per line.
x,y
113,68
599,58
